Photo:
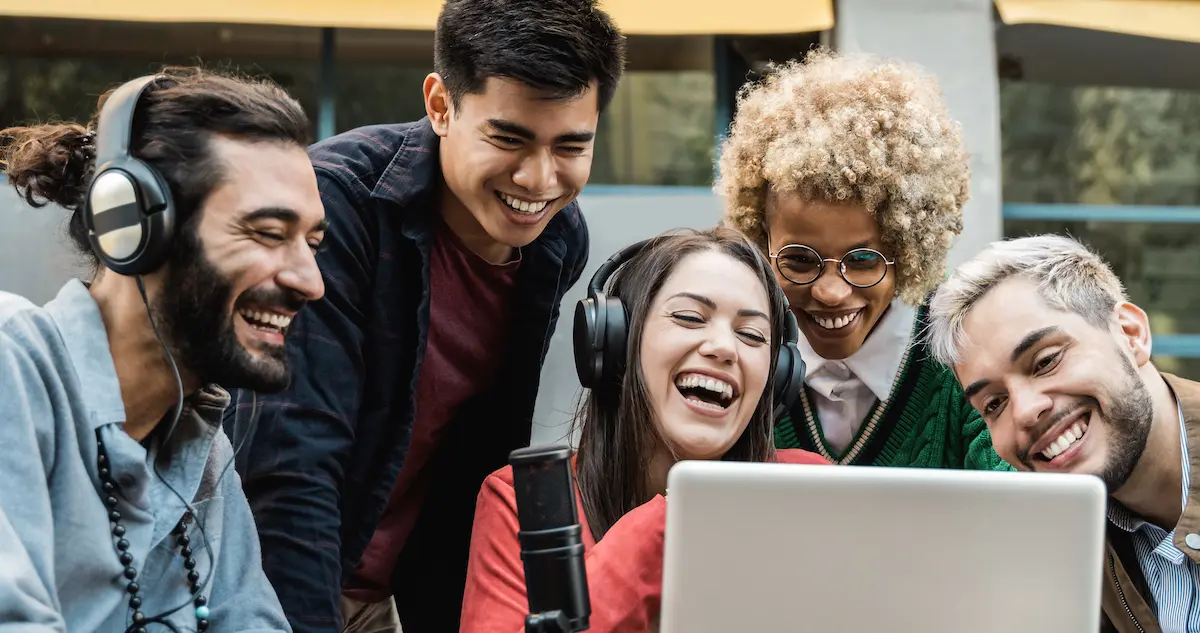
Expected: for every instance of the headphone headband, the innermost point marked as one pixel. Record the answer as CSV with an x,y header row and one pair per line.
x,y
611,265
128,212
114,129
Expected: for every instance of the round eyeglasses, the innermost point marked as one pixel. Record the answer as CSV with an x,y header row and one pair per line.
x,y
861,267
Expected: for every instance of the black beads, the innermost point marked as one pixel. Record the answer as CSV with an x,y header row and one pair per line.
x,y
110,499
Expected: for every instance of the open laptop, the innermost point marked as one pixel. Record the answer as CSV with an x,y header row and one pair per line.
x,y
856,549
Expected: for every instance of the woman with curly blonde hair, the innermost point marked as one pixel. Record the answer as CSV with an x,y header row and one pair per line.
x,y
849,172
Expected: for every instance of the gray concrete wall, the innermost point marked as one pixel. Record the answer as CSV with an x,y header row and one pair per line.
x,y
35,257
955,40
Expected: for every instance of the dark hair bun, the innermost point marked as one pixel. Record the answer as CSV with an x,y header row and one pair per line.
x,y
49,163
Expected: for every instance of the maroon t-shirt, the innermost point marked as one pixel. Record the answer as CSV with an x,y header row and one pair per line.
x,y
468,314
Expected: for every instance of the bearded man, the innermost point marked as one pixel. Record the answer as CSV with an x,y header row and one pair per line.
x,y
194,198
1054,356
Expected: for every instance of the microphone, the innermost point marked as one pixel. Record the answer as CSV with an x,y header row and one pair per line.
x,y
551,540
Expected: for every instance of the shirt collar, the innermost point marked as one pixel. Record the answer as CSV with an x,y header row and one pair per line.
x,y
414,172
81,327
877,362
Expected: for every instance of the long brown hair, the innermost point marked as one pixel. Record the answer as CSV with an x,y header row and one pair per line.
x,y
617,434
172,128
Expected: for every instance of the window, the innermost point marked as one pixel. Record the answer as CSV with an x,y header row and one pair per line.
x,y
1100,145
1073,155
659,129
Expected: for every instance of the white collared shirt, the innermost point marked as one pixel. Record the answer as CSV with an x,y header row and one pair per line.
x,y
846,389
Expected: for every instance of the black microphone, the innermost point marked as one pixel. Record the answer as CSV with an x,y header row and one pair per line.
x,y
551,540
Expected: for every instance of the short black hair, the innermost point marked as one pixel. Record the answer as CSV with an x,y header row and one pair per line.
x,y
557,46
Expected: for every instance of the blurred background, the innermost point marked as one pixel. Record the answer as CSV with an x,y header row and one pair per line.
x,y
1082,116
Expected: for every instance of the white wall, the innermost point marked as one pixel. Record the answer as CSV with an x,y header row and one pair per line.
x,y
955,40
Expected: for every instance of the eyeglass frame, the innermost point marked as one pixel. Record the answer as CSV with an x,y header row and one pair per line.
x,y
841,265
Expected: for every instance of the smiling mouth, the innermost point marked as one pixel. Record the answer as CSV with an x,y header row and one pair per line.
x,y
706,391
266,321
523,207
1070,436
838,322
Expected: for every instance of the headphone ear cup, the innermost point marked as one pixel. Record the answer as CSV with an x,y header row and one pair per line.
x,y
130,218
615,339
588,331
789,372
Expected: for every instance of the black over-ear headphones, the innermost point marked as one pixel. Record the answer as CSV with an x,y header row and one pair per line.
x,y
128,212
602,329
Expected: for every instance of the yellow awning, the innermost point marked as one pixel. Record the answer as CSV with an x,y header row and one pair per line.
x,y
1165,19
638,17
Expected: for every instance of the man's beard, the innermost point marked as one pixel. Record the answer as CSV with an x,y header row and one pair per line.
x,y
1127,421
194,312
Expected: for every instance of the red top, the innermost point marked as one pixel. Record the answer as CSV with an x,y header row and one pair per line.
x,y
624,570
468,310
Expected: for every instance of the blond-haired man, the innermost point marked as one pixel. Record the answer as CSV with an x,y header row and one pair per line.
x,y
1049,349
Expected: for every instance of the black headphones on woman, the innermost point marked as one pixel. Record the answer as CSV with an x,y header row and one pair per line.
x,y
128,211
602,331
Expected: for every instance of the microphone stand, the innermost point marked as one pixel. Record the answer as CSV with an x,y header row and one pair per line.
x,y
548,622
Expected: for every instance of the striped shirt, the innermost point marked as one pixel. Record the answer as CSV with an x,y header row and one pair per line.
x,y
1173,578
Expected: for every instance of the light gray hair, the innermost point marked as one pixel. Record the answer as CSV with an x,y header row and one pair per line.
x,y
1069,276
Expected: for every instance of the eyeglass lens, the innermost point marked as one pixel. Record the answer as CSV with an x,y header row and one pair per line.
x,y
862,267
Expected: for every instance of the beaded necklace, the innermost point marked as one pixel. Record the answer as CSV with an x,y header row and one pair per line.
x,y
109,486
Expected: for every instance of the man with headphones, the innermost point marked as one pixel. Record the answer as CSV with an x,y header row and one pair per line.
x,y
193,198
452,242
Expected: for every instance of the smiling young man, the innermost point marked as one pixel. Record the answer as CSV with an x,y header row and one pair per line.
x,y
118,481
1051,352
453,240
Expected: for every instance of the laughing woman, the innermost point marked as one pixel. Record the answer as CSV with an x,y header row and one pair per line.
x,y
850,173
700,305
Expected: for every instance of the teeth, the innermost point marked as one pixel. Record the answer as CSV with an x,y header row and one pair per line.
x,y
836,323
523,206
266,318
1064,441
699,381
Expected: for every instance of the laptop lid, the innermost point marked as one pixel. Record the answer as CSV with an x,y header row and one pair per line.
x,y
856,549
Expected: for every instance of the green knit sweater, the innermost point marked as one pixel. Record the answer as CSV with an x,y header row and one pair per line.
x,y
925,423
